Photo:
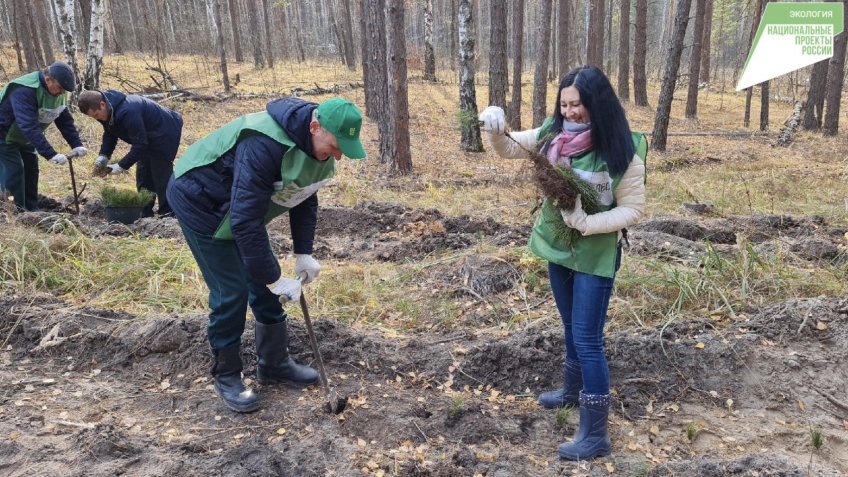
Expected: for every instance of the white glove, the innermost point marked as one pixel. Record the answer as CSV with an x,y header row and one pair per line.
x,y
116,169
493,120
79,151
287,288
306,267
101,161
576,219
60,159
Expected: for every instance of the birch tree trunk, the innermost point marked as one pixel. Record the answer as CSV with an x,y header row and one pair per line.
x,y
513,113
429,52
540,75
471,141
498,76
672,65
94,52
66,23
396,142
640,50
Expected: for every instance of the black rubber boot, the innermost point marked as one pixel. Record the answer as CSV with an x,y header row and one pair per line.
x,y
568,395
273,363
226,370
592,438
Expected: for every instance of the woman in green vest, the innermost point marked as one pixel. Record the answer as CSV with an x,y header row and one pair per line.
x,y
588,133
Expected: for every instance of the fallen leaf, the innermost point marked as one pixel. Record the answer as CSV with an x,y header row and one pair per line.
x,y
801,405
610,467
699,345
821,326
655,430
281,431
361,442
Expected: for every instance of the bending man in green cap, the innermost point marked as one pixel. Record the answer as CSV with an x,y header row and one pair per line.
x,y
225,188
28,105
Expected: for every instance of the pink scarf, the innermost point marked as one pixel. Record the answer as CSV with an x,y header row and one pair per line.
x,y
574,140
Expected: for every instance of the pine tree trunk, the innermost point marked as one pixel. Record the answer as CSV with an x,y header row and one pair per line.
x,y
347,25
32,51
640,48
540,76
624,53
269,46
374,56
835,79
429,52
672,65
94,52
44,30
764,106
563,37
396,142
513,113
498,75
695,60
595,52
255,36
754,24
471,141
815,97
236,27
706,44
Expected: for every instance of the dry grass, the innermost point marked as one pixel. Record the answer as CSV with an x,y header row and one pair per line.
x,y
740,176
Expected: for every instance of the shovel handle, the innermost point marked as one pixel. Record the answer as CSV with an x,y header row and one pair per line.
x,y
314,343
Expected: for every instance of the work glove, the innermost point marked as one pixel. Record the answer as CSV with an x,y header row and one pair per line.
x,y
493,120
101,161
115,169
288,289
306,267
575,219
79,151
59,159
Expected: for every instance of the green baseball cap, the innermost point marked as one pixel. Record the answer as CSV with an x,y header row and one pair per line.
x,y
344,120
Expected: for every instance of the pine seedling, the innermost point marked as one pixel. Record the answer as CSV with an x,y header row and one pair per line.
x,y
692,431
562,415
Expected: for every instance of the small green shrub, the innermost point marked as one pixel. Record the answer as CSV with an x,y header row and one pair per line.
x,y
114,197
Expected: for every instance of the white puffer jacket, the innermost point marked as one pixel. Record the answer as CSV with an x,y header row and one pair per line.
x,y
629,195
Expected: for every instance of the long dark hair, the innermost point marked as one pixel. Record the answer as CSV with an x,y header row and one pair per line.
x,y
610,130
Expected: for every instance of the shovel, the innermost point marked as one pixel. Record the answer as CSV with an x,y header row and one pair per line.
x,y
335,403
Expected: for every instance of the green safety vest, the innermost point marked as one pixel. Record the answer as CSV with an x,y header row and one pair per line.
x,y
301,174
592,254
49,106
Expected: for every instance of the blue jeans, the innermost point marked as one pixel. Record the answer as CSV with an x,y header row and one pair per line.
x,y
230,290
582,301
19,174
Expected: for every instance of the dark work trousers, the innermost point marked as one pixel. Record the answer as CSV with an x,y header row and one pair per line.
x,y
230,290
152,173
19,174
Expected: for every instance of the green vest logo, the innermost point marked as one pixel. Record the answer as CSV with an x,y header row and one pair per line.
x,y
352,132
790,37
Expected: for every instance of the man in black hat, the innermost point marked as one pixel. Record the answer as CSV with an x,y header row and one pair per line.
x,y
28,105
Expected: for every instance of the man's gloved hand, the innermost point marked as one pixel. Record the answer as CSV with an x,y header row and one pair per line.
x,y
307,267
79,151
60,159
575,219
288,289
115,169
493,120
101,161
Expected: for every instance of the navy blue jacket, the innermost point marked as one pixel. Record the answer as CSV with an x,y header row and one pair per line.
x,y
148,127
21,105
242,182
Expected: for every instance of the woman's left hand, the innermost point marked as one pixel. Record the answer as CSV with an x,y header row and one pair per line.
x,y
575,219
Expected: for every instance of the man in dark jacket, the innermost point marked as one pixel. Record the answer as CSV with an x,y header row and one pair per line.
x,y
152,130
28,105
225,188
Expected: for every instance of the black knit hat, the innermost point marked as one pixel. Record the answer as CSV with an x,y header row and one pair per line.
x,y
63,74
